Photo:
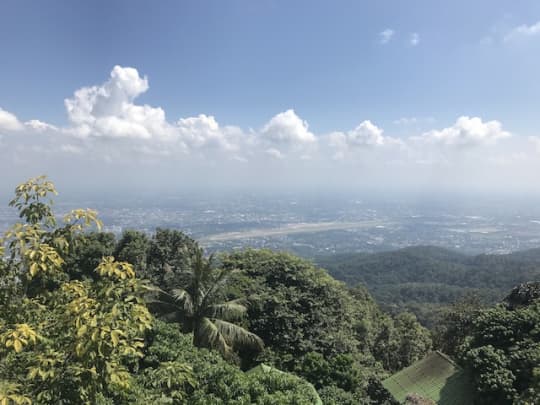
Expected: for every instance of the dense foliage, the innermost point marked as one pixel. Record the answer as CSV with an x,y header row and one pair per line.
x,y
81,321
311,325
75,327
425,279
454,324
199,306
316,327
61,339
219,382
502,350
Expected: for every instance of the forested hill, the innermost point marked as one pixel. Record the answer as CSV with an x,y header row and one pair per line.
x,y
86,318
422,278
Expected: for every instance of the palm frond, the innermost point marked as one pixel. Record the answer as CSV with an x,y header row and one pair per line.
x,y
184,298
199,308
180,294
208,335
221,279
229,311
198,266
237,336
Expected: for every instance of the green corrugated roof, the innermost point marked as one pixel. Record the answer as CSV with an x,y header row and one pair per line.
x,y
435,377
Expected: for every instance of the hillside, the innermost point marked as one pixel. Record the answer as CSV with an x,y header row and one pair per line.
x,y
86,318
423,278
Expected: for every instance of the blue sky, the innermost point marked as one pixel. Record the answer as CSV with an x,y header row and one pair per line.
x,y
244,60
336,63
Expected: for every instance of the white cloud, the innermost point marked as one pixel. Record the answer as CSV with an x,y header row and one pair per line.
x,y
287,128
364,135
522,31
467,131
108,110
204,131
39,126
386,35
107,131
414,39
9,122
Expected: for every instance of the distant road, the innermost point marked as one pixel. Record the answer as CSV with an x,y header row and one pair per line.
x,y
291,229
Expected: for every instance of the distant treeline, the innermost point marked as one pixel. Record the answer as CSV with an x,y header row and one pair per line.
x,y
421,279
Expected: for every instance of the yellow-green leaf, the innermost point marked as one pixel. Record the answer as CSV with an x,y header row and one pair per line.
x,y
17,345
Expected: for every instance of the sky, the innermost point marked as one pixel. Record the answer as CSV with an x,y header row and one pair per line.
x,y
170,95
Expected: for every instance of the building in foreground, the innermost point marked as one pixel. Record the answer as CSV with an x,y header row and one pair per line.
x,y
436,377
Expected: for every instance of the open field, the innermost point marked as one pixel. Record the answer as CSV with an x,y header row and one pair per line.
x,y
293,229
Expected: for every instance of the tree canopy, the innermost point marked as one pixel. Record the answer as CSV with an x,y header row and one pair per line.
x,y
89,319
197,304
502,350
75,327
425,279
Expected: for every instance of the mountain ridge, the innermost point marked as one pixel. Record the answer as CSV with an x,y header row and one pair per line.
x,y
423,278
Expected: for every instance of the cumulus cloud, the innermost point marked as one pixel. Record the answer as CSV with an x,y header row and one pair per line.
x,y
287,128
204,131
109,110
386,36
9,122
467,131
40,126
107,116
523,31
364,135
109,132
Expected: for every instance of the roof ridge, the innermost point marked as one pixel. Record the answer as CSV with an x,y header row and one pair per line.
x,y
447,358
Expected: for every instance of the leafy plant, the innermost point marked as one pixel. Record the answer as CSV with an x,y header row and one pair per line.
x,y
502,352
199,308
62,340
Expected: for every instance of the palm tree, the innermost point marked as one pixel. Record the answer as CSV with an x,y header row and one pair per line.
x,y
198,307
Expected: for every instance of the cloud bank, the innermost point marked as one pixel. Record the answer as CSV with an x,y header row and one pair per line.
x,y
111,138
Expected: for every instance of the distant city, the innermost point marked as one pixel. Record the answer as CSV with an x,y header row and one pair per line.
x,y
311,225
